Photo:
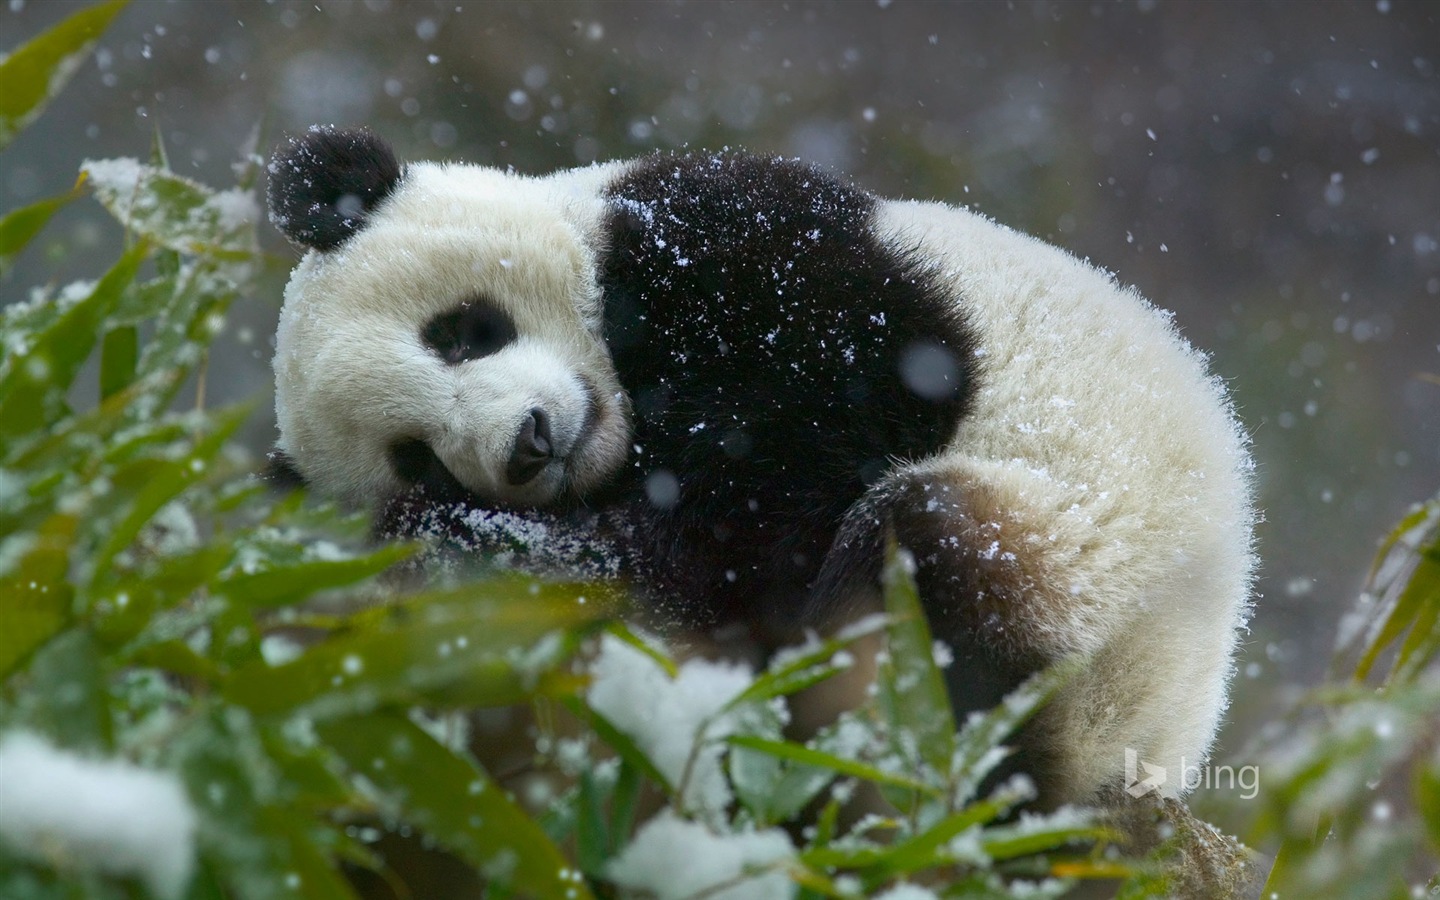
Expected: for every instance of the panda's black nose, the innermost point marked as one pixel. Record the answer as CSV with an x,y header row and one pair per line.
x,y
532,450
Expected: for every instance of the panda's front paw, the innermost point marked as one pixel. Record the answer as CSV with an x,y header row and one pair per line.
x,y
462,534
413,514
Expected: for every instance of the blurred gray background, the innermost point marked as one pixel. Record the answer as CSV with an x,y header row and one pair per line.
x,y
1269,171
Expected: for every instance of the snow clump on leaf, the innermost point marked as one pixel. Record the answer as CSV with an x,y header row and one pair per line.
x,y
104,814
667,718
673,859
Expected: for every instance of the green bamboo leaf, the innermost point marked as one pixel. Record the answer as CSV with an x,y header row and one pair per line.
x,y
24,879
250,836
592,834
149,484
119,352
1011,841
1422,645
450,798
789,750
473,648
35,596
925,850
177,658
35,376
291,583
1412,519
19,227
622,806
67,692
619,630
1416,603
309,770
1422,594
1427,799
41,468
806,668
175,212
39,70
618,741
145,300
912,688
772,789
73,440
189,319
983,733
825,825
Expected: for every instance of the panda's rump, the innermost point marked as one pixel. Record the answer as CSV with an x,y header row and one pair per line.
x,y
1103,463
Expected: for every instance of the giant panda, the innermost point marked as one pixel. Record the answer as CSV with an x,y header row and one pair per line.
x,y
740,373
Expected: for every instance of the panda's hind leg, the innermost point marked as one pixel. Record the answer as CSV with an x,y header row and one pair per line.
x,y
976,583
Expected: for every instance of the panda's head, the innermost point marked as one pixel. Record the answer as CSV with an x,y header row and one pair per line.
x,y
444,330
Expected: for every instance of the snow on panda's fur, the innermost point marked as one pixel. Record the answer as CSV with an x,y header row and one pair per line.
x,y
741,371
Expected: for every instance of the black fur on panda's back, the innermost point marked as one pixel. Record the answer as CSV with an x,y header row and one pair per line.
x,y
759,327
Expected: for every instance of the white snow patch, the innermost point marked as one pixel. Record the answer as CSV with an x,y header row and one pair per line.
x,y
674,859
119,176
234,209
105,814
667,718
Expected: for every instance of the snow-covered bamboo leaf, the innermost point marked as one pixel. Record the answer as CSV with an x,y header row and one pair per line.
x,y
66,462
453,801
774,790
799,753
189,321
978,746
1406,575
97,815
175,212
801,669
623,633
145,485
34,73
678,724
72,442
911,686
929,848
144,300
39,366
1422,593
620,742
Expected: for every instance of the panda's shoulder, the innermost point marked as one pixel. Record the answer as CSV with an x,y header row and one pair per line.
x,y
729,190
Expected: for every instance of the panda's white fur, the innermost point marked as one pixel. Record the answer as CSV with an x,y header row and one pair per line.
x,y
1121,478
1104,478
454,231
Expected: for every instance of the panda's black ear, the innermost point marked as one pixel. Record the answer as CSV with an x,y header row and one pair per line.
x,y
325,182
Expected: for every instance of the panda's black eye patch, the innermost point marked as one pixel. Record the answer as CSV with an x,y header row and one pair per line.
x,y
474,329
